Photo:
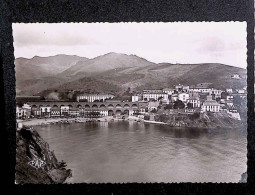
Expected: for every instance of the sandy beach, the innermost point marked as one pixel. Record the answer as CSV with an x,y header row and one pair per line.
x,y
48,121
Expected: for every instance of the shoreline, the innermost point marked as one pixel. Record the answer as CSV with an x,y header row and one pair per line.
x,y
50,121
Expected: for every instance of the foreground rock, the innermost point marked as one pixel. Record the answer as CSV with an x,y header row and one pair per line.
x,y
31,146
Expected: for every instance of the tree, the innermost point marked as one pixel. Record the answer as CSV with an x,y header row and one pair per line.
x,y
168,106
189,105
160,98
154,110
179,104
147,117
218,99
224,95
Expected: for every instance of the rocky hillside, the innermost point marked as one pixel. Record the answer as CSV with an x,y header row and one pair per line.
x,y
31,146
121,71
201,120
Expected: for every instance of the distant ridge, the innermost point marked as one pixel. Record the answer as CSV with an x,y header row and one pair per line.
x,y
116,72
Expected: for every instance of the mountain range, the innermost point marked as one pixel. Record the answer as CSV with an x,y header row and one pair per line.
x,y
115,73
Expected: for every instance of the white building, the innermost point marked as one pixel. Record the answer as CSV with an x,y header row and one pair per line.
x,y
168,91
23,112
135,98
235,76
45,110
179,87
201,90
174,97
155,96
230,90
153,105
216,92
229,97
240,91
64,110
183,97
210,105
185,88
194,100
93,97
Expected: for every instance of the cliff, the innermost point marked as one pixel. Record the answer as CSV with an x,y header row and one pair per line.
x,y
31,146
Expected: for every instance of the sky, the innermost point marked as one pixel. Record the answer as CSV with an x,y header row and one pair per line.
x,y
179,42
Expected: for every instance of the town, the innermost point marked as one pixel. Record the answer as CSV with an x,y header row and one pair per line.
x,y
150,105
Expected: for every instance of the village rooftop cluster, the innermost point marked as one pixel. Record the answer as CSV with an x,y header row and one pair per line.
x,y
182,98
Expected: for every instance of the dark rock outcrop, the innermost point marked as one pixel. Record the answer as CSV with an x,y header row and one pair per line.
x,y
31,146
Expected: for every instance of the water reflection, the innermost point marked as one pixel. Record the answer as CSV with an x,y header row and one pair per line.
x,y
135,152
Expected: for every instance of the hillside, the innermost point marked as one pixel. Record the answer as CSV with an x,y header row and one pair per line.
x,y
110,61
38,67
31,146
114,73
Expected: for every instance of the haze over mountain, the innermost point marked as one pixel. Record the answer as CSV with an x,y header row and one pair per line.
x,y
115,73
38,67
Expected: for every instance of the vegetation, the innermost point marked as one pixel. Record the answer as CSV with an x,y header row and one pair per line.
x,y
179,104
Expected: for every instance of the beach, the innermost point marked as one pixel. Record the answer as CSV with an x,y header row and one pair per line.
x,y
48,121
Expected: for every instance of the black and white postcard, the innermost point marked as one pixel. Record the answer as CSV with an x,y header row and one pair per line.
x,y
131,102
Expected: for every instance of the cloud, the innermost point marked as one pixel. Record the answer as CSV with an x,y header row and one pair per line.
x,y
212,44
25,38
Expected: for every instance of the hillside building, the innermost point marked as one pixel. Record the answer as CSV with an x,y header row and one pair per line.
x,y
135,98
235,76
210,105
93,97
147,96
230,90
216,93
169,91
194,100
183,97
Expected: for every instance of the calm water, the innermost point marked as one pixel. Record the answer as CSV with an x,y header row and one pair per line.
x,y
134,152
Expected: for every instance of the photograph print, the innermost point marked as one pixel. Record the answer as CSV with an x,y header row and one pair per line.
x,y
131,102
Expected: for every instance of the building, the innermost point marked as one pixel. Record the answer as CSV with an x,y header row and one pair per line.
x,y
45,111
74,112
64,111
93,97
183,97
216,93
210,105
55,112
135,98
152,91
185,88
169,91
230,97
201,89
235,76
230,90
153,105
35,111
174,97
155,95
22,113
240,91
194,100
178,87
